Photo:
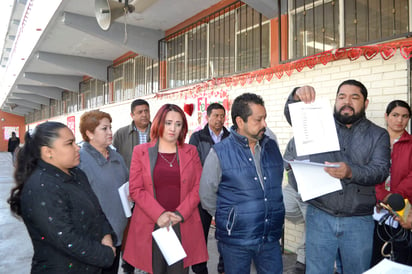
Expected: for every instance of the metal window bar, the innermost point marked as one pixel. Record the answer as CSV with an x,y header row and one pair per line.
x,y
225,42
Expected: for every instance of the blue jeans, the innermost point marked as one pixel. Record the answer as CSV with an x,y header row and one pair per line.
x,y
326,234
238,259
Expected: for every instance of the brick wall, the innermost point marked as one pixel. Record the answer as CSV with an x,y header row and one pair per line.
x,y
11,120
385,81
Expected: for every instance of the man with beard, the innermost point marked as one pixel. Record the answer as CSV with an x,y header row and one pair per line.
x,y
342,221
241,185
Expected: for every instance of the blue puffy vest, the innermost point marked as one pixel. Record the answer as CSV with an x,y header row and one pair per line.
x,y
246,213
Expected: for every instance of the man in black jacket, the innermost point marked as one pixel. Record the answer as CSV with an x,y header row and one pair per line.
x,y
341,221
204,139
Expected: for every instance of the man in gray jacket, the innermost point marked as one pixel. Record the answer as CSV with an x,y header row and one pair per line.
x,y
204,139
138,132
127,137
342,221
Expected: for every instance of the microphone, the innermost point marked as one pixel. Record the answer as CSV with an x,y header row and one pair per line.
x,y
395,203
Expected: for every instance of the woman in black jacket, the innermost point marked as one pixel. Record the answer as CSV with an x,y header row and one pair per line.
x,y
68,229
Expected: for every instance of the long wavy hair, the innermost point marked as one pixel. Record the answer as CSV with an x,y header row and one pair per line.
x,y
28,156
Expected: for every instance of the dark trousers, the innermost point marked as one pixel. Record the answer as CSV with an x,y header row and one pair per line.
x,y
401,247
114,269
206,218
159,263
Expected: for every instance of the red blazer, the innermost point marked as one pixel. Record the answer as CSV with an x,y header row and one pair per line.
x,y
401,170
138,249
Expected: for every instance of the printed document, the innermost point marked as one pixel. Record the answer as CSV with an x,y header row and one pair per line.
x,y
124,197
169,245
313,127
312,179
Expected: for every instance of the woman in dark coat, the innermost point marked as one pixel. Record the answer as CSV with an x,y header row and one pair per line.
x,y
68,229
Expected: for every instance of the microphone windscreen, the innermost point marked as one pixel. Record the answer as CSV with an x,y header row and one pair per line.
x,y
396,201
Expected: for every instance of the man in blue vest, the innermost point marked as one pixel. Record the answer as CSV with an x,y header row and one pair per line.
x,y
241,186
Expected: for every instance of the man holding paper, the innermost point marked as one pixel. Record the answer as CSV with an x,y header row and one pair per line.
x,y
342,220
241,185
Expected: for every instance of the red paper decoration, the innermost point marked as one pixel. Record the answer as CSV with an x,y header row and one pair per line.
x,y
370,52
354,53
269,75
387,52
311,61
406,51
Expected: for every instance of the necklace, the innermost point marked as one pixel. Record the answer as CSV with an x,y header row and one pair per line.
x,y
169,162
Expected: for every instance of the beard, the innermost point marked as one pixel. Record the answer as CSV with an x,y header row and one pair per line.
x,y
348,119
259,136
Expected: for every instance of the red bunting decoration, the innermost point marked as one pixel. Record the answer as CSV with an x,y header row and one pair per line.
x,y
387,52
259,77
269,75
300,65
311,61
325,57
279,71
354,53
406,51
370,52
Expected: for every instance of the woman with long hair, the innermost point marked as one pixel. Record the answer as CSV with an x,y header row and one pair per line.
x,y
164,183
106,171
68,229
397,116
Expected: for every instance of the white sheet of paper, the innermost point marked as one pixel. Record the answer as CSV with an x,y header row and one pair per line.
x,y
312,180
124,194
313,127
389,267
169,244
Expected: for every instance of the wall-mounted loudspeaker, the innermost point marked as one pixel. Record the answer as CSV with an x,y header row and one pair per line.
x,y
107,11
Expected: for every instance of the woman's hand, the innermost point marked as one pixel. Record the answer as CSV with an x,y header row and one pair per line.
x,y
168,218
164,219
107,241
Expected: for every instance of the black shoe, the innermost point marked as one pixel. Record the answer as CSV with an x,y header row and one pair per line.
x,y
300,268
220,265
127,268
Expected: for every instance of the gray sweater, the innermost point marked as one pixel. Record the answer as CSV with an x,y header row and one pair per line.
x,y
105,177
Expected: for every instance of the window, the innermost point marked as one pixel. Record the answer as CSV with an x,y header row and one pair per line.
x,y
374,20
235,39
135,77
69,102
314,25
91,94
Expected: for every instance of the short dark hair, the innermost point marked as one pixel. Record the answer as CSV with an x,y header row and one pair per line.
x,y
356,83
138,102
398,103
158,125
241,106
213,106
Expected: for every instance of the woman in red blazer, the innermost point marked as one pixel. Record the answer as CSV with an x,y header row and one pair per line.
x,y
164,184
397,117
